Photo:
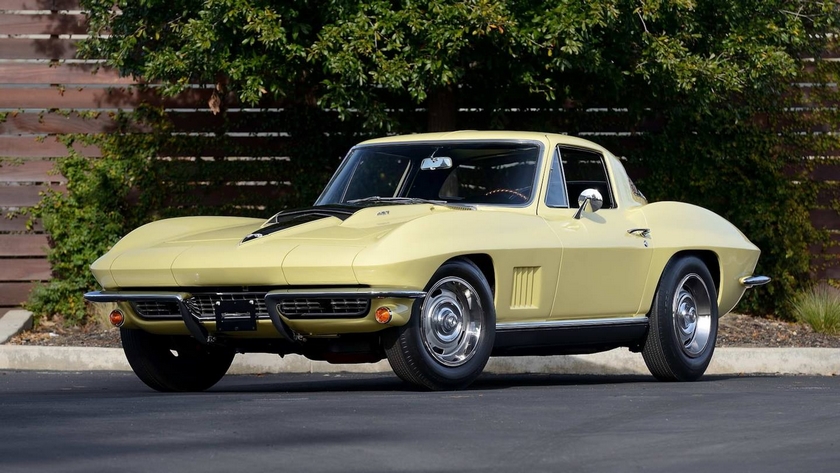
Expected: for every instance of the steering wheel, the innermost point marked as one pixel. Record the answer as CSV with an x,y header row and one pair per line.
x,y
512,192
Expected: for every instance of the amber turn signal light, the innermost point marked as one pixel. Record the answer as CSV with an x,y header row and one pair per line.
x,y
117,318
383,315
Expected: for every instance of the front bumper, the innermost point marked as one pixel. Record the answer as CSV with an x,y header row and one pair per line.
x,y
291,311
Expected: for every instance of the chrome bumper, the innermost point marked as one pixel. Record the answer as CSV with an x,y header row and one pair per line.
x,y
753,281
272,299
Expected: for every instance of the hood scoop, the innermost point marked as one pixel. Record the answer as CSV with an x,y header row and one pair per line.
x,y
291,218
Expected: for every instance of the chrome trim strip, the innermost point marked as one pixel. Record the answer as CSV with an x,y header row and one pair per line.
x,y
131,296
570,323
753,281
357,292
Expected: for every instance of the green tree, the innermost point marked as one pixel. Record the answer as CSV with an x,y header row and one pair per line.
x,y
367,55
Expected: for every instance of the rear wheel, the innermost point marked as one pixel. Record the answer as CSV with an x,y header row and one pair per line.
x,y
450,334
683,322
174,363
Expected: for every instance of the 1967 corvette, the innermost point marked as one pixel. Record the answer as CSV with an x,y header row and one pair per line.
x,y
434,251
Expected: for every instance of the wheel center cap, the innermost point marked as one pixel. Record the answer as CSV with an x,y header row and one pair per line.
x,y
688,314
450,322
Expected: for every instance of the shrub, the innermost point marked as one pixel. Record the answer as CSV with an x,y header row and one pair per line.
x,y
819,307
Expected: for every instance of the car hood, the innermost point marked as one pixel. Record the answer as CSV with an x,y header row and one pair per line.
x,y
299,247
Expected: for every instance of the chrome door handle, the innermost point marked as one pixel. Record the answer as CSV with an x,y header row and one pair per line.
x,y
642,232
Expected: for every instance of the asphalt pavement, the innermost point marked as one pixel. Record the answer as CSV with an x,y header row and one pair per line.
x,y
109,421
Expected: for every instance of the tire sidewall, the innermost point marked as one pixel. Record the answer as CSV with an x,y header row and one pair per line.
x,y
196,367
456,375
688,367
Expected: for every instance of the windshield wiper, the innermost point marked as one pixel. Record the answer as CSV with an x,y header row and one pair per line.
x,y
395,200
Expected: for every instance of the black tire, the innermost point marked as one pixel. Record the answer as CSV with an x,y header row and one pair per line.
x,y
174,363
421,353
683,322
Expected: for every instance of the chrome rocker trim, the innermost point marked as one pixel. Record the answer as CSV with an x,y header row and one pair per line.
x,y
753,281
570,323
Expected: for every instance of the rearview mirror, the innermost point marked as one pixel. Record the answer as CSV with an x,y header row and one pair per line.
x,y
432,164
589,200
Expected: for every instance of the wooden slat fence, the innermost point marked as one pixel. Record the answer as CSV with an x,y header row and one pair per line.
x,y
38,76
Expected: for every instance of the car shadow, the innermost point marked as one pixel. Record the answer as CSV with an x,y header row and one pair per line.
x,y
386,382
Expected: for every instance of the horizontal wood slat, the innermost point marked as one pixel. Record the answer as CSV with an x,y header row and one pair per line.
x,y
38,170
30,147
200,170
109,97
826,172
39,5
24,269
54,48
17,224
36,73
24,196
43,24
826,269
825,218
23,245
54,123
214,196
13,294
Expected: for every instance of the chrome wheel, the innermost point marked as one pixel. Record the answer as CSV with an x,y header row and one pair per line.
x,y
451,321
692,315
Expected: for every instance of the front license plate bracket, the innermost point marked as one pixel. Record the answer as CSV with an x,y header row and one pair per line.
x,y
236,316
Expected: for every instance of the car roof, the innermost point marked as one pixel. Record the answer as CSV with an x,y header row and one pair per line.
x,y
469,135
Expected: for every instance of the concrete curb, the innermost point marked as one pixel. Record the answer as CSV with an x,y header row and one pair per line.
x,y
728,361
14,322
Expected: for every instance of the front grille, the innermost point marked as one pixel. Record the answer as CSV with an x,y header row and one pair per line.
x,y
324,307
157,310
201,306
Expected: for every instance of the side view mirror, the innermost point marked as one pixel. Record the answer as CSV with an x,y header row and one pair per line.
x,y
589,200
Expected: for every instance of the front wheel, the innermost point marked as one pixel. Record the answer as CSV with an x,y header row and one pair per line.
x,y
450,334
174,363
683,322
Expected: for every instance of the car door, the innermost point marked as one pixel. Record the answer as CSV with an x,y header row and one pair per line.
x,y
604,266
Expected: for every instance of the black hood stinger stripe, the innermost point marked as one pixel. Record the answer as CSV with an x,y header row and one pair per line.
x,y
291,218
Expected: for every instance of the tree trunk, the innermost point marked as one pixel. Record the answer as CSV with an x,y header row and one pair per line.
x,y
442,110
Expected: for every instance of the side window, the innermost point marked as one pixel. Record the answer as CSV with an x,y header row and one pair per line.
x,y
556,192
585,170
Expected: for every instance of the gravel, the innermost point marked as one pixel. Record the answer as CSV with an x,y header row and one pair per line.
x,y
736,330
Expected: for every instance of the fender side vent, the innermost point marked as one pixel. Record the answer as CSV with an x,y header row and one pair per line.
x,y
525,291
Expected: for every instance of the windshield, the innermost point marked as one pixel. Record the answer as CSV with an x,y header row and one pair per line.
x,y
468,173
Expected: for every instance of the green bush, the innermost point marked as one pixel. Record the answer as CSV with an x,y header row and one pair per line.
x,y
819,307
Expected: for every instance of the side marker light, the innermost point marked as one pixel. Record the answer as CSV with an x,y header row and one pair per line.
x,y
383,315
117,318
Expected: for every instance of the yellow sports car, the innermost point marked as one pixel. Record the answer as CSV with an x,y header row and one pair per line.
x,y
434,251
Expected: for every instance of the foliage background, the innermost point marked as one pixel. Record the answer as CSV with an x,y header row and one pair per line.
x,y
704,93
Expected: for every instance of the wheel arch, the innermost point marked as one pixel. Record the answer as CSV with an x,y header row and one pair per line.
x,y
660,264
709,258
484,262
